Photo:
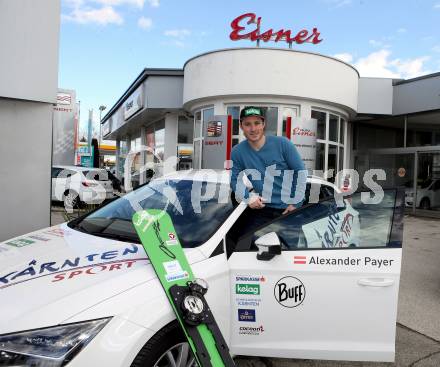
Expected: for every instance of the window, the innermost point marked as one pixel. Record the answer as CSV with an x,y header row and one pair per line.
x,y
200,118
193,225
198,124
423,129
234,111
55,172
333,128
320,118
185,131
271,114
324,225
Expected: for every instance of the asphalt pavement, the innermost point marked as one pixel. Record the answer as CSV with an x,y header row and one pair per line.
x,y
418,327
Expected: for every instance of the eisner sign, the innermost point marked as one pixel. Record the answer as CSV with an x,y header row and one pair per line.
x,y
240,31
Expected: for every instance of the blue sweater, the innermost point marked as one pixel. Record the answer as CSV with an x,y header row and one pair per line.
x,y
276,172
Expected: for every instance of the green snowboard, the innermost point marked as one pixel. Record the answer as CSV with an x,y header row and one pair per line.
x,y
159,238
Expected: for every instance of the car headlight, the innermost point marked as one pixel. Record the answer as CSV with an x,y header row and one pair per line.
x,y
48,347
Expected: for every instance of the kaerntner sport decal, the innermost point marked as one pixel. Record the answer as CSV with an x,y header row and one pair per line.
x,y
289,292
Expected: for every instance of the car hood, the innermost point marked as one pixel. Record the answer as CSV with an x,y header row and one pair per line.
x,y
50,275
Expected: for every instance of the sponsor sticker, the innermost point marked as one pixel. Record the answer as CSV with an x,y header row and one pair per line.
x,y
253,289
248,302
250,278
35,269
249,330
289,292
20,242
171,236
344,261
246,315
172,242
174,271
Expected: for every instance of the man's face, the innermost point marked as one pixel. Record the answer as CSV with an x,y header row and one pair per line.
x,y
253,128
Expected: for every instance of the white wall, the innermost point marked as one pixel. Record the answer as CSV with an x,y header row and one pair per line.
x,y
29,49
29,32
270,72
25,165
375,96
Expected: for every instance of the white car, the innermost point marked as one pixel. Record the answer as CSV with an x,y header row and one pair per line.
x,y
84,294
428,195
74,185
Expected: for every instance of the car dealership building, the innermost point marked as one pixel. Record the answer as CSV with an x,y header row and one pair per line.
x,y
359,123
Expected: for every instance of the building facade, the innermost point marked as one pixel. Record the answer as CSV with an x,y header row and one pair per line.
x,y
360,123
28,90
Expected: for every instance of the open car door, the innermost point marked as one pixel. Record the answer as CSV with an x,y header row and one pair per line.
x,y
324,284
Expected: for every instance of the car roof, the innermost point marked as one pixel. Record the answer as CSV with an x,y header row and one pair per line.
x,y
78,168
222,176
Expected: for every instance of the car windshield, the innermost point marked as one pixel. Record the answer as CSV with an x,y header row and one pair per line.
x,y
197,209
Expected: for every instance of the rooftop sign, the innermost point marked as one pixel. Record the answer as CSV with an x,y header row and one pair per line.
x,y
240,30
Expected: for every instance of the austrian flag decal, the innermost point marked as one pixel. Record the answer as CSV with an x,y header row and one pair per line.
x,y
299,259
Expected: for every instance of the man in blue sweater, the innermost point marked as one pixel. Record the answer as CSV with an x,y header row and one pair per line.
x,y
273,166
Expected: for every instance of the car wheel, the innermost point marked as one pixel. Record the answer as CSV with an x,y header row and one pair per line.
x,y
425,204
167,348
70,199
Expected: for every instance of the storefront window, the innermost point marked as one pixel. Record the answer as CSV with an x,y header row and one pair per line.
x,y
208,114
423,130
185,143
333,128
380,133
185,131
271,114
320,156
341,159
159,139
198,124
332,162
342,131
234,111
321,118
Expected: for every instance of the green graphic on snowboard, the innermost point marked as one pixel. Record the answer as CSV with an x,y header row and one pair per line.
x,y
159,238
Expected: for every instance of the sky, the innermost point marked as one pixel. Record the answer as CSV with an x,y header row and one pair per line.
x,y
105,44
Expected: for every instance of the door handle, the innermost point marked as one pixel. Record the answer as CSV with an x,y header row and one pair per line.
x,y
376,282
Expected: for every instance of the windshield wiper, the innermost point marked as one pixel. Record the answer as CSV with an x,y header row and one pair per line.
x,y
116,236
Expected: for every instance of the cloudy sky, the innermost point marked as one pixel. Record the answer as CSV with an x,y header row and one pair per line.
x,y
105,44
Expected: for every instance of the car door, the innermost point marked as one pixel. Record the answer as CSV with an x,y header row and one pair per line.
x,y
315,300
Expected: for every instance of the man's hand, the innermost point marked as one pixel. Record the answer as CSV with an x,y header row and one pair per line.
x,y
256,202
290,208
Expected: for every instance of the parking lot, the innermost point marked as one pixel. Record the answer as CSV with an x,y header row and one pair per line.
x,y
418,328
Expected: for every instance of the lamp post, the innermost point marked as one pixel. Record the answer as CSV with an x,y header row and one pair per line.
x,y
101,108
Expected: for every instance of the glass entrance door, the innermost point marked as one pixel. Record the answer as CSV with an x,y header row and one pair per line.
x,y
427,192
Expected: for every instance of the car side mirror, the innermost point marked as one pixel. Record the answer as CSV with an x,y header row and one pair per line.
x,y
268,246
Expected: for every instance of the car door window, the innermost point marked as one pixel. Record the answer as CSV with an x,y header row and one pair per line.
x,y
55,172
327,226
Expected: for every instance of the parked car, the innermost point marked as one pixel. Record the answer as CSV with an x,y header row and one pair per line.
x,y
428,195
75,185
116,183
84,293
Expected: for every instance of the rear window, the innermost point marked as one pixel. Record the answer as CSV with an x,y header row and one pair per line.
x,y
101,175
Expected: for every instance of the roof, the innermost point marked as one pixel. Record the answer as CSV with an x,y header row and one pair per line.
x,y
427,76
137,82
273,49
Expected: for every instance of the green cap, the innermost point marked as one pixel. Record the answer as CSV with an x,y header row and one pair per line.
x,y
251,111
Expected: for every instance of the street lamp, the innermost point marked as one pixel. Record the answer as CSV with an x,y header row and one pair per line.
x,y
101,108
